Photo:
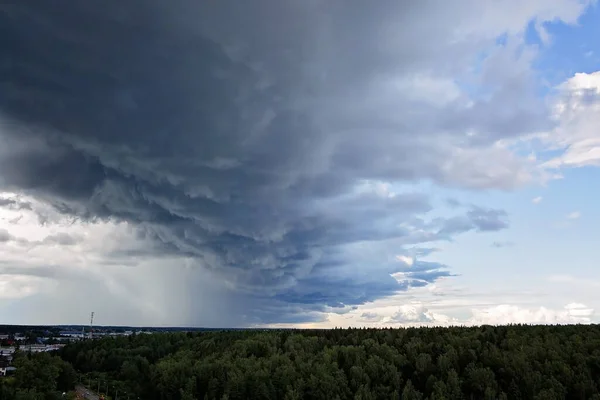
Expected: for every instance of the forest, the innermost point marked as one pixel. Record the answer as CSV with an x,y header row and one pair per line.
x,y
487,362
39,376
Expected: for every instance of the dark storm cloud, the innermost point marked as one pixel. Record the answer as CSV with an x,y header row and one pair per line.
x,y
231,135
329,286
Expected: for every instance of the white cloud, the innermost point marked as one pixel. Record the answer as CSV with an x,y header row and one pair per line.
x,y
579,310
412,313
577,113
378,188
406,260
444,304
574,215
416,314
572,281
505,314
537,200
17,287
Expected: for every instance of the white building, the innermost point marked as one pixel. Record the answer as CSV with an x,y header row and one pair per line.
x,y
4,370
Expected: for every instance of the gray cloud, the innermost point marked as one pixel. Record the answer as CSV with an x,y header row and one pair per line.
x,y
486,220
500,245
14,204
5,236
43,271
62,239
453,203
476,218
243,146
370,317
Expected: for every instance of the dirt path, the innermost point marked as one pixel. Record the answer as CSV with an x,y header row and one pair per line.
x,y
86,393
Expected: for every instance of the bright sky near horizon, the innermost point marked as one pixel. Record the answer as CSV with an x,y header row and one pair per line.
x,y
300,163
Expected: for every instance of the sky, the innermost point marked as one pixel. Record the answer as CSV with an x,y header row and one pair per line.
x,y
300,163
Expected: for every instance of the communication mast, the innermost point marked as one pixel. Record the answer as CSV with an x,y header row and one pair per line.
x,y
91,325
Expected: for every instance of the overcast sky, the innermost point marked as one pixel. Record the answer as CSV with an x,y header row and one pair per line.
x,y
299,163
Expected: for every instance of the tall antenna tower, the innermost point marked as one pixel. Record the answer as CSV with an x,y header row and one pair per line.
x,y
91,325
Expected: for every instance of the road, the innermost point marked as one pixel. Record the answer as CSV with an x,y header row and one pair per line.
x,y
85,393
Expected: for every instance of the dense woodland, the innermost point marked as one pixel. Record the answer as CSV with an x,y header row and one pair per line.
x,y
508,362
40,376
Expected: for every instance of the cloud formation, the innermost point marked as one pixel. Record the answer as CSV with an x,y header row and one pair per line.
x,y
576,109
500,245
502,314
444,303
14,204
537,200
264,155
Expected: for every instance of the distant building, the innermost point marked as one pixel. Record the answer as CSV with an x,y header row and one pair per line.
x,y
7,370
70,335
5,367
37,348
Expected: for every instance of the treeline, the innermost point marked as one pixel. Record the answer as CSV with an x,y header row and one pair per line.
x,y
507,362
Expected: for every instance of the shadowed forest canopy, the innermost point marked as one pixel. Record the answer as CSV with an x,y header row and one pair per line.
x,y
504,362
